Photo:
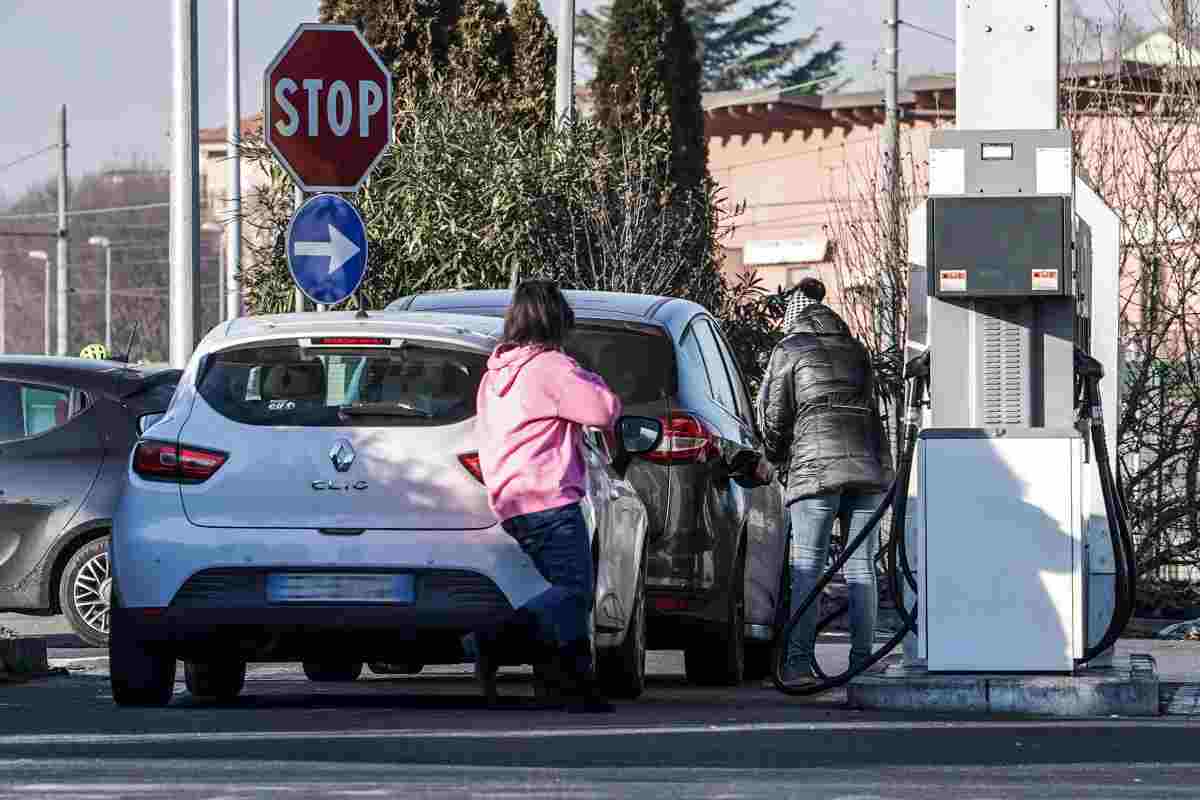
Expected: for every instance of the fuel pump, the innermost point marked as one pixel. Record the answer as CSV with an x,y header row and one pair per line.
x,y
1006,519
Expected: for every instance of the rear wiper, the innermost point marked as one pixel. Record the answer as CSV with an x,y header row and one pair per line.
x,y
384,409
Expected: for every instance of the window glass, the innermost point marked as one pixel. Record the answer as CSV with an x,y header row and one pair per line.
x,y
691,364
717,376
735,376
416,384
637,366
29,409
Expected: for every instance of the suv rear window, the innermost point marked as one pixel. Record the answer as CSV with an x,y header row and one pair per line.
x,y
410,385
639,367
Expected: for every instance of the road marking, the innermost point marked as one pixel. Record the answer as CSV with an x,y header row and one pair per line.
x,y
551,733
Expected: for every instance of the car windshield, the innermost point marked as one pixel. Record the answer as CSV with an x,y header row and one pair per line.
x,y
284,384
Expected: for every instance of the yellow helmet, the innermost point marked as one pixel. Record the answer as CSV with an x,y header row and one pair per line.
x,y
97,351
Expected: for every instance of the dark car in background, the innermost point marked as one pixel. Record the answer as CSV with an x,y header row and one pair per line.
x,y
718,577
67,426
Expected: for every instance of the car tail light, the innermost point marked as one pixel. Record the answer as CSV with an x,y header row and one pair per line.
x,y
686,440
471,462
164,461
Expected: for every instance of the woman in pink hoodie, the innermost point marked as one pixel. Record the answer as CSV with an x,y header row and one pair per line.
x,y
532,406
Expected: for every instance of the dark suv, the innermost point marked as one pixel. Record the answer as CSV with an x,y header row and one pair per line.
x,y
66,428
717,577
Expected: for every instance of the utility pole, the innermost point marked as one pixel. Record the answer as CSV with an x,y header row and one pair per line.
x,y
231,297
890,298
185,179
62,231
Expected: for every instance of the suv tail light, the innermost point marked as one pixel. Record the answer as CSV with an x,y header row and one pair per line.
x,y
471,462
165,461
686,440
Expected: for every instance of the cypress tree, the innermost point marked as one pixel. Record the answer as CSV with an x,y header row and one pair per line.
x,y
534,43
649,72
737,51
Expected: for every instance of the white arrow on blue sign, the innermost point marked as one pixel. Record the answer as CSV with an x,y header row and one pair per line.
x,y
327,249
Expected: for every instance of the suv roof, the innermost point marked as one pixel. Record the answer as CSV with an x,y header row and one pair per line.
x,y
585,303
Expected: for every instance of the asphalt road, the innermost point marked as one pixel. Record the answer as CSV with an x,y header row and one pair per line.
x,y
431,736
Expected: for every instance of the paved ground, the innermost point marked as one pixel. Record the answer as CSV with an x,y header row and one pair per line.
x,y
431,736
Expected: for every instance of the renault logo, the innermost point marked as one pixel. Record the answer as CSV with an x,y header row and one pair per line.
x,y
342,456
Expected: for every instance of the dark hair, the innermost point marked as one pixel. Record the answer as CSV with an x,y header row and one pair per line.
x,y
812,288
539,315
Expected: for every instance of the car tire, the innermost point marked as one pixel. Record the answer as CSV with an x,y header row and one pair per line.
x,y
140,675
221,681
760,656
85,592
333,672
622,670
721,659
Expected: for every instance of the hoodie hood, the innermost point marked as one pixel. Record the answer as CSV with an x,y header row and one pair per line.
x,y
818,319
506,362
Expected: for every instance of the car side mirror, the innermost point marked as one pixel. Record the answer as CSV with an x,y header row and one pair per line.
x,y
635,436
147,421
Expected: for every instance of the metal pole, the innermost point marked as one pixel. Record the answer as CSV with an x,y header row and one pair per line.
x,y
222,257
3,342
46,300
62,231
233,246
564,79
185,203
889,184
297,201
108,297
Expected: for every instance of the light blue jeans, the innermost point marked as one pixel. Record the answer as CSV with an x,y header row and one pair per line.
x,y
812,529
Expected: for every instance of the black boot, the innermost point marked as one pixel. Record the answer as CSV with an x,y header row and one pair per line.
x,y
502,645
581,691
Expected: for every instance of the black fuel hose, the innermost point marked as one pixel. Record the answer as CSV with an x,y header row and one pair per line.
x,y
1089,372
895,498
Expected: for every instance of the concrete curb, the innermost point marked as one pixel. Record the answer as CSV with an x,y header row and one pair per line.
x,y
1128,690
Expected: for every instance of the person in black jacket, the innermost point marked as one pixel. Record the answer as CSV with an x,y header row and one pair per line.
x,y
823,433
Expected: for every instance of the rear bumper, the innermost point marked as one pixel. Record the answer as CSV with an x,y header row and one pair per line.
x,y
154,557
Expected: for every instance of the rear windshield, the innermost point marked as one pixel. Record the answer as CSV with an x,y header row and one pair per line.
x,y
639,367
411,385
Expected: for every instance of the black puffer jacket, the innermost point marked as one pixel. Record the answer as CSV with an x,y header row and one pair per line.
x,y
819,416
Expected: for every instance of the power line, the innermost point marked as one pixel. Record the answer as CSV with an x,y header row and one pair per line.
x,y
934,34
25,158
87,211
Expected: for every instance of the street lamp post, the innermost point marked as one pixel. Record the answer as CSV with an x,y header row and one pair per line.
x,y
40,255
222,256
103,241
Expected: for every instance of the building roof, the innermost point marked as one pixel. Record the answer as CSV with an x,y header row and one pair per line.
x,y
250,126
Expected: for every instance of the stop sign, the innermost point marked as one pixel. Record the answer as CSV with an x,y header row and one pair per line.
x,y
327,107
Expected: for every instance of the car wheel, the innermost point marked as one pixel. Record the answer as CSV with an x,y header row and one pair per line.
x,y
721,660
760,656
396,668
138,674
622,670
85,592
336,672
215,680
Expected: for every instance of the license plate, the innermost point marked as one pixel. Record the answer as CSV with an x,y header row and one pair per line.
x,y
286,587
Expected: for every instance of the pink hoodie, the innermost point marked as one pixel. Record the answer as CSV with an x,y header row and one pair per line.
x,y
531,405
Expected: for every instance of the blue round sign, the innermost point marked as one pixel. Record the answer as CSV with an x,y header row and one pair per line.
x,y
327,249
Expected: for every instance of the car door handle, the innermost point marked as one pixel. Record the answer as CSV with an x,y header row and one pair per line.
x,y
614,494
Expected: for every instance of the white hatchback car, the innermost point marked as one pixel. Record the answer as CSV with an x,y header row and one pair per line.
x,y
312,494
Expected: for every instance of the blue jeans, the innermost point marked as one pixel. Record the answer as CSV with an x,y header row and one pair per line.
x,y
812,528
557,541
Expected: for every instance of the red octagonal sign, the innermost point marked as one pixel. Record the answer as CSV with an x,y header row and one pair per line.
x,y
328,107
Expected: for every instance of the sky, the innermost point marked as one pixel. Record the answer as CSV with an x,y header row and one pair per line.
x,y
110,63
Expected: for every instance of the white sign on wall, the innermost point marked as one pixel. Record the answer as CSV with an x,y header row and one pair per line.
x,y
785,251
